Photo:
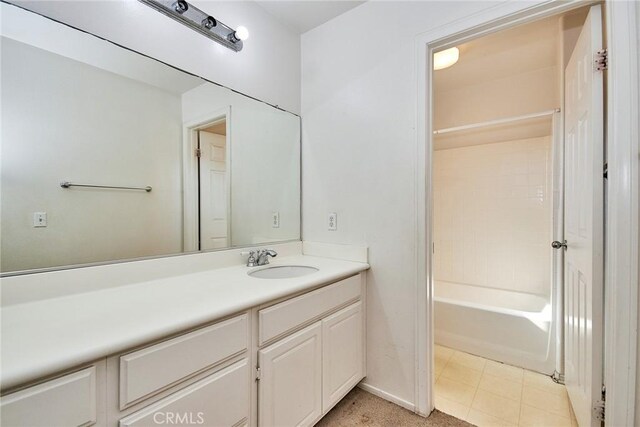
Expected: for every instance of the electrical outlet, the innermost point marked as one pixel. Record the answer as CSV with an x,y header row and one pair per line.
x,y
39,219
333,221
275,219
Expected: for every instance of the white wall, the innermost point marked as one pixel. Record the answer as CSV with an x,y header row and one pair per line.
x,y
531,92
359,97
267,68
492,215
130,137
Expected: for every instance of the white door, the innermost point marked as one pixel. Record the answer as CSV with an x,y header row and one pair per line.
x,y
214,198
342,354
584,207
290,387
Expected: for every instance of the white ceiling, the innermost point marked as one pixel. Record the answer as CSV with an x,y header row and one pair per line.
x,y
304,15
509,52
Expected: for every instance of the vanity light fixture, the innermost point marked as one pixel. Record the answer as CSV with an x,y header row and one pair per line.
x,y
445,58
201,22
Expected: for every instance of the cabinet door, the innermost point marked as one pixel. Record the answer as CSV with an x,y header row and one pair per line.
x,y
290,388
342,354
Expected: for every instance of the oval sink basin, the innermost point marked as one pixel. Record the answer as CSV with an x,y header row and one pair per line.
x,y
282,272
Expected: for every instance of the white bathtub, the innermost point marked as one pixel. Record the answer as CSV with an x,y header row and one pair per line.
x,y
511,327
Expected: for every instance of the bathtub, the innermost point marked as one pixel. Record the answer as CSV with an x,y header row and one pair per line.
x,y
508,326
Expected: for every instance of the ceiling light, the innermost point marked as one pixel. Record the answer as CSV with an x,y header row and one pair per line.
x,y
445,58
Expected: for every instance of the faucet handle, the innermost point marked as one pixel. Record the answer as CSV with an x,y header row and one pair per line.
x,y
252,260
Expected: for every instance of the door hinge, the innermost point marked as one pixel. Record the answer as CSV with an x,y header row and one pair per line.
x,y
557,377
258,373
605,171
599,406
198,153
601,60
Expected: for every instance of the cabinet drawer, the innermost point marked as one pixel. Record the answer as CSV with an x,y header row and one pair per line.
x,y
220,400
156,367
280,318
65,401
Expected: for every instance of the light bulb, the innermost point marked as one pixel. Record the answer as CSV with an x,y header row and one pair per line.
x,y
242,33
445,58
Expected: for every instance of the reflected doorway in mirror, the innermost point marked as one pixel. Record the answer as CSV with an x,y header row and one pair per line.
x,y
207,195
213,186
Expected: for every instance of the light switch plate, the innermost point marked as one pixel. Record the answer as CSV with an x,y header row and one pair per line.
x,y
275,219
333,221
39,219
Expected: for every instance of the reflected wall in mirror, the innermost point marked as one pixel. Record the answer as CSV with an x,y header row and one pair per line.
x,y
224,169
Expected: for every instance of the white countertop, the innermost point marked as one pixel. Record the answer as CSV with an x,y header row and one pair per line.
x,y
43,337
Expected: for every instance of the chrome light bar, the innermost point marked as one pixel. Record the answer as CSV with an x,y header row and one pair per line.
x,y
197,20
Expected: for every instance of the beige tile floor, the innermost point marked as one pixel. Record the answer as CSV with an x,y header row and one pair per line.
x,y
488,393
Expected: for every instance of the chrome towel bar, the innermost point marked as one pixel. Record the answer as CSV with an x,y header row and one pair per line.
x,y
67,184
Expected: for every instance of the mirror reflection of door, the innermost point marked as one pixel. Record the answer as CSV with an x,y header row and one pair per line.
x,y
213,184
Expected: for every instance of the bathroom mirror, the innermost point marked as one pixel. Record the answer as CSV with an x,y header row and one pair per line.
x,y
109,155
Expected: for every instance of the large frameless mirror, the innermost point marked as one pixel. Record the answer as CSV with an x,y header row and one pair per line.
x,y
110,155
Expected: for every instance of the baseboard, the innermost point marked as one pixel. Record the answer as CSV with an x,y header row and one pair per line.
x,y
387,396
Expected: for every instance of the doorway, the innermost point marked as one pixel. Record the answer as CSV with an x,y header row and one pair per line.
x,y
477,241
207,182
213,185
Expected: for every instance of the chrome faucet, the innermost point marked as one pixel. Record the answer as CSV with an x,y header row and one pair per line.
x,y
264,254
260,257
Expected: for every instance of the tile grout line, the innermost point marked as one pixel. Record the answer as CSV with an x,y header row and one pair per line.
x,y
497,395
477,387
483,372
521,399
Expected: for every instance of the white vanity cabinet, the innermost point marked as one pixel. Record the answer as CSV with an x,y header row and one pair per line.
x,y
284,363
304,374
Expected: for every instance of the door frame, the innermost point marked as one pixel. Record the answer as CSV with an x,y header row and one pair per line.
x,y
622,212
621,204
191,215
